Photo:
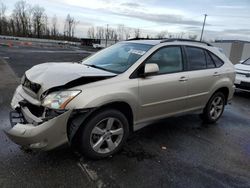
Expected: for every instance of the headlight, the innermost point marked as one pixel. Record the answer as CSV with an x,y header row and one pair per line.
x,y
59,100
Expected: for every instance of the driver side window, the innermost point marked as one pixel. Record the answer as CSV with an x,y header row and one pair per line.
x,y
169,59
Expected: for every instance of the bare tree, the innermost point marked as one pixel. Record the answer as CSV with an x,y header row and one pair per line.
x,y
39,19
127,33
162,35
112,35
137,33
28,21
170,35
69,26
21,15
3,20
54,26
100,32
180,35
11,27
74,28
121,32
46,26
91,32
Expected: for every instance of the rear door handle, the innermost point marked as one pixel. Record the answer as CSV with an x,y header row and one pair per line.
x,y
183,79
216,74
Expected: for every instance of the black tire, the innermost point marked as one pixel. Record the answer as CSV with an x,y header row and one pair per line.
x,y
206,115
86,135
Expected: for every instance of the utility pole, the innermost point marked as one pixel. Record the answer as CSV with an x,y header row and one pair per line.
x,y
204,22
107,35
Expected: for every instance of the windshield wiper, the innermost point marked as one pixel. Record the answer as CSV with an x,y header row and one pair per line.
x,y
97,67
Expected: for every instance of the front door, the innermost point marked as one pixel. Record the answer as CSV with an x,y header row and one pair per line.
x,y
165,93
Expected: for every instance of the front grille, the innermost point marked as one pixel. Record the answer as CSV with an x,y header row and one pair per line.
x,y
35,110
30,85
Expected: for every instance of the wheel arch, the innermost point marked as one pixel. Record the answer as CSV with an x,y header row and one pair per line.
x,y
124,108
224,90
121,106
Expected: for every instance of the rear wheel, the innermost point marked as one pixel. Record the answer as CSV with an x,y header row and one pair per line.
x,y
214,108
104,134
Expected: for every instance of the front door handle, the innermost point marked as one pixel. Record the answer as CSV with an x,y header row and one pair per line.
x,y
183,79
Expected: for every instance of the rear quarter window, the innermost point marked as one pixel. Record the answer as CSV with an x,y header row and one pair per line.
x,y
218,62
210,61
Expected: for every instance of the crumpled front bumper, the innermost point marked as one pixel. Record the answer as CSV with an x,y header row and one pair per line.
x,y
45,136
34,132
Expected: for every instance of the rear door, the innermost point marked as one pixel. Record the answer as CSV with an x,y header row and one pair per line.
x,y
202,73
164,93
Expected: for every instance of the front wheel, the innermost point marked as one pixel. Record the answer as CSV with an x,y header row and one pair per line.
x,y
214,108
104,134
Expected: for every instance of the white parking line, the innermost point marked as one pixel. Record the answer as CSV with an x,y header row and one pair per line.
x,y
91,174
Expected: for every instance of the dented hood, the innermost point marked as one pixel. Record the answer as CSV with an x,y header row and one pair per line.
x,y
50,75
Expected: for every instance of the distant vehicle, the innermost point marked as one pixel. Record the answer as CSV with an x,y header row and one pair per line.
x,y
242,80
98,46
97,103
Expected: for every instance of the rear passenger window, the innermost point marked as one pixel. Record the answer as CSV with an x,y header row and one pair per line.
x,y
196,58
217,61
210,62
169,59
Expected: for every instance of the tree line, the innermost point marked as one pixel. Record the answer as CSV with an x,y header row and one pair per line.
x,y
118,33
123,33
32,21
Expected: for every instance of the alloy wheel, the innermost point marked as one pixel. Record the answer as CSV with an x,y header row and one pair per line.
x,y
106,135
216,107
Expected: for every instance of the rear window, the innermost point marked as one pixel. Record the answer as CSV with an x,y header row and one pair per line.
x,y
196,58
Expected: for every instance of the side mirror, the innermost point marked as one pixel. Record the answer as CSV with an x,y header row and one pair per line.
x,y
150,69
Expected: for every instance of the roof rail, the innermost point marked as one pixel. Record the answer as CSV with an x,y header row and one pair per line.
x,y
185,40
143,39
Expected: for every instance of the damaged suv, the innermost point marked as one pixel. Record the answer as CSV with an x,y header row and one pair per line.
x,y
96,103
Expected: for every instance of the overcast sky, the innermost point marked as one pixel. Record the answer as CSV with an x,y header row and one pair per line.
x,y
227,19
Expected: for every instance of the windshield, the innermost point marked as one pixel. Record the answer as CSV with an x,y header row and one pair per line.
x,y
247,62
117,58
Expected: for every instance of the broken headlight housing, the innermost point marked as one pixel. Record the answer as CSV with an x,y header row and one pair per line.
x,y
59,99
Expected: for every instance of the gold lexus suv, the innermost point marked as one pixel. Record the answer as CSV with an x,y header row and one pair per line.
x,y
95,104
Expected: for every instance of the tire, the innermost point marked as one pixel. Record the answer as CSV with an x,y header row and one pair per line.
x,y
103,134
214,108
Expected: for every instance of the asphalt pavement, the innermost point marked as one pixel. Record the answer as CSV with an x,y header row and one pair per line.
x,y
176,152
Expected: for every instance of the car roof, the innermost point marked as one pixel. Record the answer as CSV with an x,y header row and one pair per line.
x,y
150,42
175,41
